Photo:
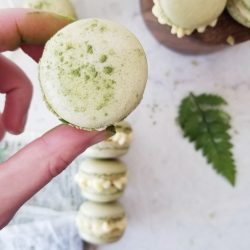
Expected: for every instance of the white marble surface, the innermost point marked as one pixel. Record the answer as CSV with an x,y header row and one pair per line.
x,y
174,199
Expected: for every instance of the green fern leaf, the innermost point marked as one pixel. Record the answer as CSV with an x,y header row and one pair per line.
x,y
207,126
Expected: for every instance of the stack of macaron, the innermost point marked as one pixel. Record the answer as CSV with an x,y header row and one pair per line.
x,y
102,178
186,16
93,74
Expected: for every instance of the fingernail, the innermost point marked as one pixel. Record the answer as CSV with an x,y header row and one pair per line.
x,y
104,135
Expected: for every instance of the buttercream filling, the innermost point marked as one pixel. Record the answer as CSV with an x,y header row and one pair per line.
x,y
120,140
99,184
103,228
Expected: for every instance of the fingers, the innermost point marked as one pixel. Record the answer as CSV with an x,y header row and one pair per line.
x,y
18,89
26,26
35,165
29,29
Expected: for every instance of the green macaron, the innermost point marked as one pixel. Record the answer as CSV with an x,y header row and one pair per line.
x,y
186,16
93,73
114,147
101,223
102,180
61,7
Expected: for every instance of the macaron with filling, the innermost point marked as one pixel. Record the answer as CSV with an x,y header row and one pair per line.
x,y
240,11
93,73
116,146
186,16
102,180
101,223
61,7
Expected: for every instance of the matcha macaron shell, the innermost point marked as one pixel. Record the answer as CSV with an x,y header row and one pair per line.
x,y
93,73
102,211
186,16
102,180
114,147
101,223
61,7
240,11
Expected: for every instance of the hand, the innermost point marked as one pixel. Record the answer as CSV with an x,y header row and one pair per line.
x,y
38,163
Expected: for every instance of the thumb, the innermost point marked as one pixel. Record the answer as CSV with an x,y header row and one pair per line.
x,y
36,164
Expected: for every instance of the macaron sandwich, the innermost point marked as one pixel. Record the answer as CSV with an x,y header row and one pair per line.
x,y
102,180
61,7
101,223
115,146
93,73
186,16
240,11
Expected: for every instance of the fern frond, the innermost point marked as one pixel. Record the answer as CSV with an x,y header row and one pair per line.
x,y
207,126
